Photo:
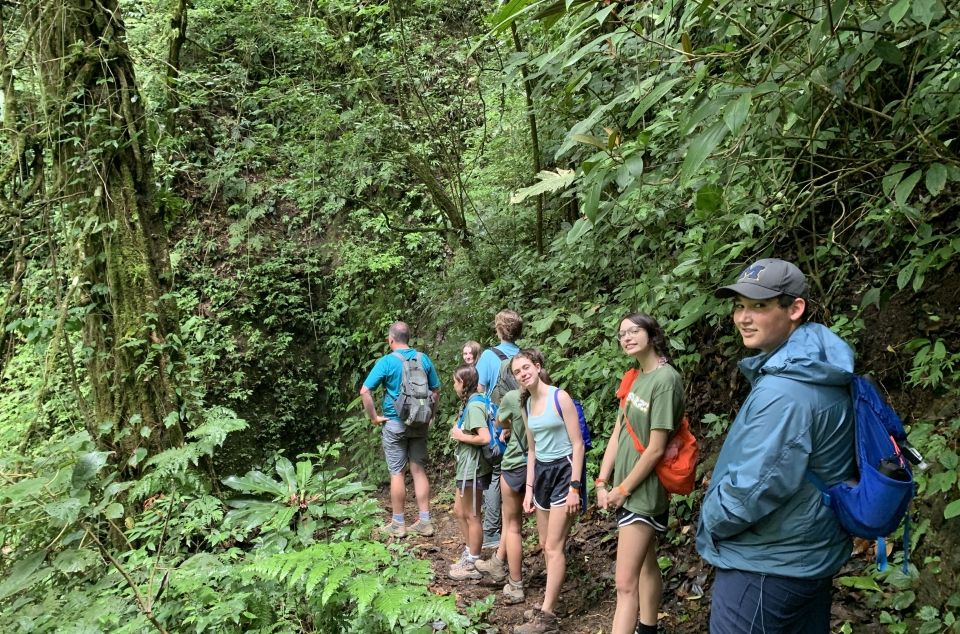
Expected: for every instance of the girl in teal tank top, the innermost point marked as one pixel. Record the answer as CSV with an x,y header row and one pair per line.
x,y
555,452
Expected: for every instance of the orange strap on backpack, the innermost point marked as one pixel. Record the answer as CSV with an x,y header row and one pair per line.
x,y
677,468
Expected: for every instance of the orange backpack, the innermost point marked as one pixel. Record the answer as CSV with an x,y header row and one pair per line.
x,y
677,469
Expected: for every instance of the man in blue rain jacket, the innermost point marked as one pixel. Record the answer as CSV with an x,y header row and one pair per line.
x,y
763,526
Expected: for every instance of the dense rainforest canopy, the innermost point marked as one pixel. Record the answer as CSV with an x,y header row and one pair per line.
x,y
210,212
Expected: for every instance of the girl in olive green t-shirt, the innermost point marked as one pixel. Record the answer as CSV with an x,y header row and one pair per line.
x,y
473,471
652,410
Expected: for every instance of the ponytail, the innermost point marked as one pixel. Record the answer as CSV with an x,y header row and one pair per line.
x,y
534,356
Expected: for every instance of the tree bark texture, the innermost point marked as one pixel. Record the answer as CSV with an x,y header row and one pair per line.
x,y
104,177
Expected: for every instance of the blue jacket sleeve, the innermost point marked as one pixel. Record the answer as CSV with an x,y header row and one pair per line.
x,y
761,465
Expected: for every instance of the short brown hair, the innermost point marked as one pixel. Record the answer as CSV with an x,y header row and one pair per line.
x,y
508,324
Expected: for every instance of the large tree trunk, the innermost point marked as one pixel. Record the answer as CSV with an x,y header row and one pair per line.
x,y
104,177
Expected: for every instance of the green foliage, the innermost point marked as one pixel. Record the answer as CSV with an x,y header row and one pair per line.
x,y
305,500
362,587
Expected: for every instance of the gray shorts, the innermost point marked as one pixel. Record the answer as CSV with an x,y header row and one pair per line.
x,y
403,447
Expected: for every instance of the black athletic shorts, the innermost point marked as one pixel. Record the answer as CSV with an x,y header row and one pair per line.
x,y
551,483
516,479
658,522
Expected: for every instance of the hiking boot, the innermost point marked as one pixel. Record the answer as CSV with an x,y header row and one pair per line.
x,y
423,528
513,593
493,567
463,570
393,529
541,623
529,614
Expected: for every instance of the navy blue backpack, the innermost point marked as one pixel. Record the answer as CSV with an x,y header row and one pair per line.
x,y
873,506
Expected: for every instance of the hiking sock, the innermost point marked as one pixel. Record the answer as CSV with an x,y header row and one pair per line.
x,y
424,516
515,584
398,518
643,628
470,557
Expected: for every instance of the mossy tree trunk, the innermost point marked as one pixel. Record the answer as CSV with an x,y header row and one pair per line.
x,y
102,161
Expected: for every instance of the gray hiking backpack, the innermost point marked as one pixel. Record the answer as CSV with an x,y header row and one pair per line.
x,y
414,404
505,380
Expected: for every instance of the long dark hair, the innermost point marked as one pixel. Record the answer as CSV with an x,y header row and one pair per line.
x,y
654,332
534,356
467,374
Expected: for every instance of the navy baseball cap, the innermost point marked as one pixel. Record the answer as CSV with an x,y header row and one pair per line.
x,y
765,279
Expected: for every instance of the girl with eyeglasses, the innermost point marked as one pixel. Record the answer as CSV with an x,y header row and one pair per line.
x,y
653,406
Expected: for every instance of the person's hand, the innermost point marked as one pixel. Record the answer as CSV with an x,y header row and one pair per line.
x,y
528,500
379,420
615,498
573,501
453,432
603,498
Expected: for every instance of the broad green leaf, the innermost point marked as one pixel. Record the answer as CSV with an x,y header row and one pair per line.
x,y
24,489
88,466
138,455
860,583
692,311
936,178
114,511
899,10
589,139
903,277
541,326
256,482
591,200
304,475
736,112
903,600
650,99
749,222
75,560
699,149
926,11
709,198
580,228
892,178
564,336
24,574
287,474
872,296
952,510
66,511
549,182
902,193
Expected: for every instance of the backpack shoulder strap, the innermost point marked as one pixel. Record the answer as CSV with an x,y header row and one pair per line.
x,y
500,353
633,435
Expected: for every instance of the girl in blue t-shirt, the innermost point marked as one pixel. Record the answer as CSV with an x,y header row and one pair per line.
x,y
473,471
555,452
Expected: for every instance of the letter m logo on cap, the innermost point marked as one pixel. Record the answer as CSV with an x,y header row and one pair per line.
x,y
752,272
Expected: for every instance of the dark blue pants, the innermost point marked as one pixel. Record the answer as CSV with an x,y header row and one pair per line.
x,y
751,603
